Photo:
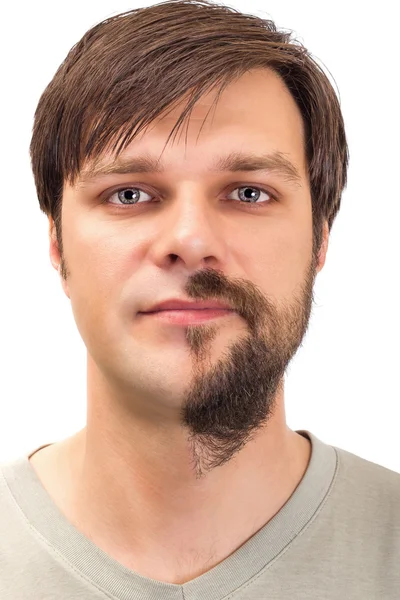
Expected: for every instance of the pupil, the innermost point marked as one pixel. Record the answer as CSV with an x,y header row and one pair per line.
x,y
128,195
249,193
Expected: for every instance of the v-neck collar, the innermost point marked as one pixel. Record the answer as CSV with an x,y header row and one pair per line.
x,y
125,584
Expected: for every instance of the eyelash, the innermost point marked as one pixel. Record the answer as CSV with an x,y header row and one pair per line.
x,y
252,205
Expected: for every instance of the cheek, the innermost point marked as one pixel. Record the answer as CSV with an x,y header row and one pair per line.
x,y
100,250
280,259
97,259
101,263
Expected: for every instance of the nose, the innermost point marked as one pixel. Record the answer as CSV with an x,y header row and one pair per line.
x,y
191,230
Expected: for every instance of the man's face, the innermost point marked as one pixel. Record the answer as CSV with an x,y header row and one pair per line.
x,y
188,232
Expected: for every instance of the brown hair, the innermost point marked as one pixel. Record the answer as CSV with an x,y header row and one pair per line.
x,y
130,68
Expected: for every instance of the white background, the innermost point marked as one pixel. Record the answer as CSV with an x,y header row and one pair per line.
x,y
343,384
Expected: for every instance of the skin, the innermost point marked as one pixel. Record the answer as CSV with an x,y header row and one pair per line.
x,y
162,485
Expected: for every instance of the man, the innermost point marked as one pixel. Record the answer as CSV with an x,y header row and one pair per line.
x,y
190,269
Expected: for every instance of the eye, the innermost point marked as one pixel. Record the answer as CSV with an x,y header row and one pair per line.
x,y
127,196
249,194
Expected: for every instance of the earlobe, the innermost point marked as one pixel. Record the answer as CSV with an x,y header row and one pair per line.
x,y
55,257
324,247
53,250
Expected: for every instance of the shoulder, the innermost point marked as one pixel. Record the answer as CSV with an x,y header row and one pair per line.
x,y
372,489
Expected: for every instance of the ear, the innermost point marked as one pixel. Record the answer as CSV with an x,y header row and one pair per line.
x,y
55,257
324,247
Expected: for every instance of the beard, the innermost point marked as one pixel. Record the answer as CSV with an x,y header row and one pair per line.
x,y
225,404
228,402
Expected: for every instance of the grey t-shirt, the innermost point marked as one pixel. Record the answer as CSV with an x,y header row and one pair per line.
x,y
336,538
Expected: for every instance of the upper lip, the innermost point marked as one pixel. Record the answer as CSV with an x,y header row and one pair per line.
x,y
177,304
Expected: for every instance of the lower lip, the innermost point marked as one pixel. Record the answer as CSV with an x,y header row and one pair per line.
x,y
188,317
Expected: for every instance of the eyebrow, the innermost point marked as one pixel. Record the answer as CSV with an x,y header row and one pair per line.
x,y
275,162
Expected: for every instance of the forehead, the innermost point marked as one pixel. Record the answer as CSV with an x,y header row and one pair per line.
x,y
257,102
254,113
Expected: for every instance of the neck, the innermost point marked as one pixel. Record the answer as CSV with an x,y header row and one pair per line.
x,y
131,489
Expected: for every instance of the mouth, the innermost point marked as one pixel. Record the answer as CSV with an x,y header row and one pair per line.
x,y
188,316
